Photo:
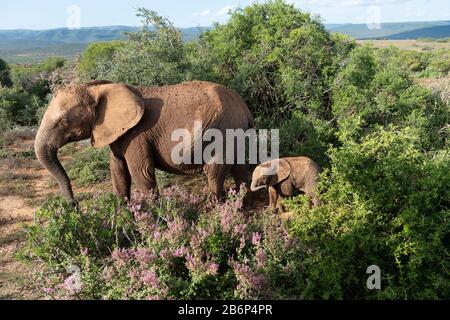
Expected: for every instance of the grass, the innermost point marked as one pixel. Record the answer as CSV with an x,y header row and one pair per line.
x,y
17,185
14,135
416,45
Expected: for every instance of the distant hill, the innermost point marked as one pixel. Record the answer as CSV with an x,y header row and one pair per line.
x,y
431,32
26,39
25,46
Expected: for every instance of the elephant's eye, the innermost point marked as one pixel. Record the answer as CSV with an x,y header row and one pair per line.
x,y
63,122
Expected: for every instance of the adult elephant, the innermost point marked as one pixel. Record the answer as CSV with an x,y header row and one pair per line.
x,y
137,123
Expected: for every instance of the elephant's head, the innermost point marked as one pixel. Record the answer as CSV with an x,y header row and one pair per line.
x,y
102,111
270,173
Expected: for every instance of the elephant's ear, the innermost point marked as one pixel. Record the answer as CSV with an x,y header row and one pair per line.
x,y
283,172
118,109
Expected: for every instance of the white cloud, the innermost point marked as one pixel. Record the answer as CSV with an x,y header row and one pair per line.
x,y
204,13
225,10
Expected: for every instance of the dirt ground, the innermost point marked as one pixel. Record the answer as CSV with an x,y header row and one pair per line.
x,y
24,185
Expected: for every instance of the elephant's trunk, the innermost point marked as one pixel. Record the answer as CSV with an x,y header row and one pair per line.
x,y
255,188
47,156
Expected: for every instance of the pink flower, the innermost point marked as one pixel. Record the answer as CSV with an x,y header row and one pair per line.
x,y
165,254
150,278
144,255
157,235
122,256
49,291
242,244
133,274
256,239
212,269
191,262
261,258
258,281
180,252
239,229
73,283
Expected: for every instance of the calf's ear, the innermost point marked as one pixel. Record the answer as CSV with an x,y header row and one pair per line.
x,y
282,171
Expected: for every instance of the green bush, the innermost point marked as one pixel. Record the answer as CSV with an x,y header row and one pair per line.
x,y
438,64
97,59
152,56
384,203
18,107
62,230
282,62
424,64
22,103
37,78
371,92
280,59
89,166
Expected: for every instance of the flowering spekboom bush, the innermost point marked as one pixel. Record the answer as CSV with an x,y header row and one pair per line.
x,y
180,246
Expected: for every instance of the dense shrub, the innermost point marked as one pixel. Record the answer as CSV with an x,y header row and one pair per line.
x,y
95,58
384,203
423,64
175,246
152,56
22,102
18,107
371,92
37,78
283,62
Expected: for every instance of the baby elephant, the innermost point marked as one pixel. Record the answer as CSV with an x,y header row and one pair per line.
x,y
300,173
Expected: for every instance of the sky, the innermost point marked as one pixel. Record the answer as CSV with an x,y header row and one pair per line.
x,y
48,14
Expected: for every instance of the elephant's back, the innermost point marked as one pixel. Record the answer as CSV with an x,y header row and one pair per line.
x,y
208,102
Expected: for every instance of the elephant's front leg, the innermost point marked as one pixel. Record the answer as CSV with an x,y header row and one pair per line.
x,y
273,198
280,206
142,170
120,176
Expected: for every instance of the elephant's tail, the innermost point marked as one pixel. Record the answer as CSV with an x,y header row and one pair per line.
x,y
250,119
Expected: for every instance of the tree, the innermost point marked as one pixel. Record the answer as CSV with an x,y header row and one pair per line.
x,y
283,62
279,58
154,55
96,57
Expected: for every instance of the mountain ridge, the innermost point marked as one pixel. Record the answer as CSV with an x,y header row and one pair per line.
x,y
23,45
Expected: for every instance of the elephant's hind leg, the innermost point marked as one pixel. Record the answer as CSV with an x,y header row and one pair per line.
x,y
310,191
120,176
